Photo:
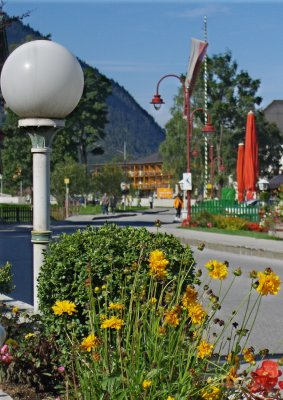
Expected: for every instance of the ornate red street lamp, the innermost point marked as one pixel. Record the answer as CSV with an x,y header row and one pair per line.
x,y
157,102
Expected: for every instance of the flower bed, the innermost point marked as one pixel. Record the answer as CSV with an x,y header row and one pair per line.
x,y
138,322
207,220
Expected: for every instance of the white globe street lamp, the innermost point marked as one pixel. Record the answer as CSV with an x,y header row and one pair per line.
x,y
42,82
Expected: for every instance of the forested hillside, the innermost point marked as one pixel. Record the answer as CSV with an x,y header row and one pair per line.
x,y
127,121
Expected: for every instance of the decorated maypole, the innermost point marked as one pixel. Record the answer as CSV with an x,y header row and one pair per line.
x,y
205,114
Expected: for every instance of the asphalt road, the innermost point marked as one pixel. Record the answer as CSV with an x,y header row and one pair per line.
x,y
268,327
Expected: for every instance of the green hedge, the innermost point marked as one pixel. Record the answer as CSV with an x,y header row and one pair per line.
x,y
104,259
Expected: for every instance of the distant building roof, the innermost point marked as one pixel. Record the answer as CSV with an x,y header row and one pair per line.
x,y
151,158
154,158
274,113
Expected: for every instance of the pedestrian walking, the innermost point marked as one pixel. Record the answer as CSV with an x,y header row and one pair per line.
x,y
113,203
178,205
150,199
105,203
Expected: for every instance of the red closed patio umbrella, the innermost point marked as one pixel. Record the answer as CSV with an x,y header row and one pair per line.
x,y
251,168
240,172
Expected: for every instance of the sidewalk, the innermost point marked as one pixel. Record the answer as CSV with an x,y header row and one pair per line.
x,y
230,243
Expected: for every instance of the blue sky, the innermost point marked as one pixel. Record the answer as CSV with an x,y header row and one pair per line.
x,y
137,42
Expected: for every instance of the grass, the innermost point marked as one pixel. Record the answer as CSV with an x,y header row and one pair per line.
x,y
253,234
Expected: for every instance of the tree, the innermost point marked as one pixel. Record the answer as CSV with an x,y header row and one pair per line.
x,y
16,156
173,149
79,181
108,180
85,125
231,95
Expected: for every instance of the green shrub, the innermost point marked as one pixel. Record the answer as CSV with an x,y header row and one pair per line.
x,y
230,223
105,259
204,219
6,279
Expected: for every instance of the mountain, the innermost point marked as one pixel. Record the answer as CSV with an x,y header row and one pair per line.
x,y
127,121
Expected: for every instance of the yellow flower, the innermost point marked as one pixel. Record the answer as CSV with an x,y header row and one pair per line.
x,y
249,355
204,349
211,393
90,342
189,297
29,335
217,269
113,323
116,306
170,398
11,342
146,384
64,306
268,282
158,264
196,313
15,310
153,300
171,317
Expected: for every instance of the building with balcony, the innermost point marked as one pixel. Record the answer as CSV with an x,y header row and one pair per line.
x,y
146,175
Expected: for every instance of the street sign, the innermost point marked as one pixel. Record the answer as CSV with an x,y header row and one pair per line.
x,y
125,187
187,181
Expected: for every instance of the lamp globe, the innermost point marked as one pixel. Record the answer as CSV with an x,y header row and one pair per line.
x,y
42,79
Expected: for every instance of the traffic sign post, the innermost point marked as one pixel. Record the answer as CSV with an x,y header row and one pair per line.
x,y
187,181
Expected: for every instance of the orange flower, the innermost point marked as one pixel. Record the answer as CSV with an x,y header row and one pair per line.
x,y
217,269
189,297
158,264
204,349
249,355
146,384
196,313
112,323
64,306
90,342
268,282
171,317
211,393
116,306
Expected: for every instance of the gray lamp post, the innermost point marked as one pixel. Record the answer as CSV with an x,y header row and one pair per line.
x,y
42,82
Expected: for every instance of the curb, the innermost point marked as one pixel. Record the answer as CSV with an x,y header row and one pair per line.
x,y
243,250
114,216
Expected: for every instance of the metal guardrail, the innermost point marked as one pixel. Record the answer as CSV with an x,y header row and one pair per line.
x,y
15,214
12,215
